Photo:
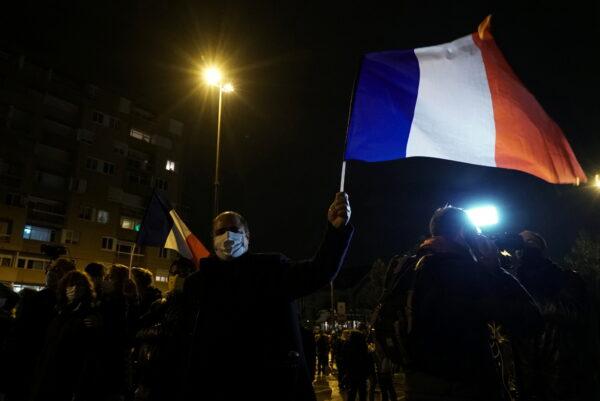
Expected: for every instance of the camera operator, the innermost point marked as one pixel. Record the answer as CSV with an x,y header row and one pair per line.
x,y
468,315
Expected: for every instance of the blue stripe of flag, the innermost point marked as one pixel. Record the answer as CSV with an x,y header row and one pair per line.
x,y
383,106
157,222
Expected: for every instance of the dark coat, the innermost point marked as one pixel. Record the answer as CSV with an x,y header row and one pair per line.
x,y
455,300
245,331
68,368
564,349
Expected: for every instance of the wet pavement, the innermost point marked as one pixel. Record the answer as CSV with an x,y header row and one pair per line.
x,y
326,389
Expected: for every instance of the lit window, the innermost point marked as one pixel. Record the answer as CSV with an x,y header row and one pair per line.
x,y
102,216
170,166
161,279
142,136
38,233
130,223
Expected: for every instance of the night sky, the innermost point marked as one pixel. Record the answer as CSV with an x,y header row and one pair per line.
x,y
293,64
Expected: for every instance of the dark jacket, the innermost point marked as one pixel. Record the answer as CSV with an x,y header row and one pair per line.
x,y
456,302
244,324
564,349
68,368
159,349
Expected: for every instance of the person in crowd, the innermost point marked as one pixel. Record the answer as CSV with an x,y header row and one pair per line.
x,y
34,313
147,293
337,344
160,342
229,288
357,365
466,316
68,368
119,312
322,354
8,301
96,271
310,350
372,379
384,369
563,346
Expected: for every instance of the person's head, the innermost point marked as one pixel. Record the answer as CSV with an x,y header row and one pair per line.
x,y
97,272
74,288
56,271
178,272
141,277
452,223
116,279
534,245
231,236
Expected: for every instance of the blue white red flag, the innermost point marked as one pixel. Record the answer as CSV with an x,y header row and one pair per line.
x,y
163,227
458,101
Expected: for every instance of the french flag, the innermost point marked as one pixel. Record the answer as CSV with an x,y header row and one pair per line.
x,y
458,101
163,227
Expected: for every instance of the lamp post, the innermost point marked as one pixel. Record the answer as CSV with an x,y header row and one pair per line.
x,y
213,77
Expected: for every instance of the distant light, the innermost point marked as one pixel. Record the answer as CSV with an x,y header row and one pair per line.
x,y
212,76
597,181
228,87
137,227
505,253
483,216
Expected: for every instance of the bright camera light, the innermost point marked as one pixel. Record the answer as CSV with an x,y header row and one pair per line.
x,y
483,216
228,87
212,76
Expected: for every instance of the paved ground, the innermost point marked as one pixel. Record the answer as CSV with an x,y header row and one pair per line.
x,y
327,389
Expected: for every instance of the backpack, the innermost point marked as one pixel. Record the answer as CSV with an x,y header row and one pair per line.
x,y
392,320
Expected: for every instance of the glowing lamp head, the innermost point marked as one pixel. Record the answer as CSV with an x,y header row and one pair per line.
x,y
483,216
212,76
597,181
227,88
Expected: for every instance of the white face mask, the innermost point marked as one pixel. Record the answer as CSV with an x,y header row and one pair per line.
x,y
230,245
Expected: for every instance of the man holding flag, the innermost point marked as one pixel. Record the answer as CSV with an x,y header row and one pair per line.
x,y
241,315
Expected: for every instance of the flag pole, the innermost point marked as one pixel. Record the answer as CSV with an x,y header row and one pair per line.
x,y
343,173
131,259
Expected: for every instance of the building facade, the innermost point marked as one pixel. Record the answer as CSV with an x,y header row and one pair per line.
x,y
78,165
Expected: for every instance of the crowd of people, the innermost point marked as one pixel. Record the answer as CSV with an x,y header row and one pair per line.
x,y
452,320
354,359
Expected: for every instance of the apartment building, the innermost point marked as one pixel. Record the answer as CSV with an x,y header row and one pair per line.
x,y
77,167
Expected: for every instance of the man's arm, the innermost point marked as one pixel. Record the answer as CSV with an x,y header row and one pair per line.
x,y
296,279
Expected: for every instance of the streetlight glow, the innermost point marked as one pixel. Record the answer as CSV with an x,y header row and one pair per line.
x,y
483,216
212,76
227,88
597,181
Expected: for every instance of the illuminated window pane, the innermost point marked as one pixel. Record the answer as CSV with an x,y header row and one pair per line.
x,y
170,166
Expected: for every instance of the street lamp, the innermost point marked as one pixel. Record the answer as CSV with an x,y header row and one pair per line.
x,y
214,77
